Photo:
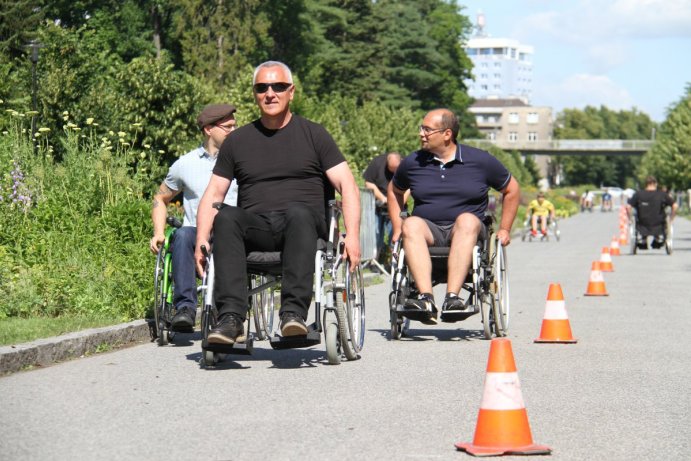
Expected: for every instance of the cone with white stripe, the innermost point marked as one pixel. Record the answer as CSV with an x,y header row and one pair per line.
x,y
606,261
502,423
555,324
596,283
614,248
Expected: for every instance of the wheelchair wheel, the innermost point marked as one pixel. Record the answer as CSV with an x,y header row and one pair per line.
x,y
351,313
263,308
332,339
669,237
162,281
501,288
394,320
209,358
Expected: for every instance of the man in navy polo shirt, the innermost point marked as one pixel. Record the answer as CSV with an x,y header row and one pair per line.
x,y
449,183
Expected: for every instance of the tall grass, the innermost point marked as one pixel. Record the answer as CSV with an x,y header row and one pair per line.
x,y
74,230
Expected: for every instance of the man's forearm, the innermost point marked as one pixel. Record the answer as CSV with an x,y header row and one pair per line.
x,y
351,210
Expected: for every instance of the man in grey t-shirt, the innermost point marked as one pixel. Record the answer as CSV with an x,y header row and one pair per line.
x,y
190,175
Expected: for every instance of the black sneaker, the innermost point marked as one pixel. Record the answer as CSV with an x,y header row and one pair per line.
x,y
421,309
454,309
183,320
230,329
656,243
642,245
292,325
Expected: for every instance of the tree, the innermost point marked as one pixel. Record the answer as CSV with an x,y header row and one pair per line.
x,y
670,158
18,22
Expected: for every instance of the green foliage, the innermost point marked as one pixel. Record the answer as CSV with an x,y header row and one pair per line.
x,y
602,123
73,236
670,158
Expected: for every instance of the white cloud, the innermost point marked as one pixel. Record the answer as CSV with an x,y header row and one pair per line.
x,y
580,90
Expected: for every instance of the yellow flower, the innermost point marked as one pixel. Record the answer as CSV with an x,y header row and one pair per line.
x,y
137,124
95,124
110,132
142,155
122,134
65,113
44,129
1,101
147,146
126,144
89,120
121,140
65,118
37,134
5,133
161,151
32,112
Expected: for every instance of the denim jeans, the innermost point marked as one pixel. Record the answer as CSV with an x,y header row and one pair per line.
x,y
383,230
184,272
293,232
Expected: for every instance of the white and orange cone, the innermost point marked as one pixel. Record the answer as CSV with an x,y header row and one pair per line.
x,y
502,423
596,284
614,249
606,261
623,237
555,324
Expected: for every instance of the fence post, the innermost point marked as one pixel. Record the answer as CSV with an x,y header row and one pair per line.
x,y
368,232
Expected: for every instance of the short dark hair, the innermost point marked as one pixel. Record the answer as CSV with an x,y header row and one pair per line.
x,y
650,180
449,121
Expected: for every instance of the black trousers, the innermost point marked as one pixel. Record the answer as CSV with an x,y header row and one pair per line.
x,y
293,232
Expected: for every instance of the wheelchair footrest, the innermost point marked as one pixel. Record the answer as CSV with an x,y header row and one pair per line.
x,y
418,315
245,348
456,316
312,338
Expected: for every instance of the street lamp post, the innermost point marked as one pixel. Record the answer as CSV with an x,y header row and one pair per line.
x,y
34,45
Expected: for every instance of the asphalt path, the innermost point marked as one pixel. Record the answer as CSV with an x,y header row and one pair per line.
x,y
620,393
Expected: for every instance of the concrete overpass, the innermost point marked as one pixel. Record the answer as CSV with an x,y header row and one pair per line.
x,y
570,146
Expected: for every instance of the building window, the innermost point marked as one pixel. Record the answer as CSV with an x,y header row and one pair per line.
x,y
532,136
497,75
513,117
492,136
497,87
483,76
491,119
479,119
532,117
497,64
483,87
513,136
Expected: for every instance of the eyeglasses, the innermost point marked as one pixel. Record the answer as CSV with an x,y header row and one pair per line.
x,y
277,87
226,128
428,131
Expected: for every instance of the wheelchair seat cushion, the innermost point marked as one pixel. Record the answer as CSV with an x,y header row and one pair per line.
x,y
269,262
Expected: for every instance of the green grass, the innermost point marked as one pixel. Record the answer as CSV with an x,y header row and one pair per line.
x,y
20,330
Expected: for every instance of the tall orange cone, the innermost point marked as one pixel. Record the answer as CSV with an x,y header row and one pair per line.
x,y
596,284
555,324
502,423
623,237
606,261
614,247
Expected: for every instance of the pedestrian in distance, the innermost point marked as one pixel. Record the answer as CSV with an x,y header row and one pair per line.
x,y
377,176
650,205
449,183
287,169
190,175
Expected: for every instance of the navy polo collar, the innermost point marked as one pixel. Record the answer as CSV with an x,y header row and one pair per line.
x,y
458,157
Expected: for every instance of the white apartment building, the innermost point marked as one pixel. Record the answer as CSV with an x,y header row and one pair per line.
x,y
502,67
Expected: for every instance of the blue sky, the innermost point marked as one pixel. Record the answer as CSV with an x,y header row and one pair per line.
x,y
618,53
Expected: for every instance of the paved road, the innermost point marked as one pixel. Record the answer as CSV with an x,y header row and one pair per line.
x,y
621,393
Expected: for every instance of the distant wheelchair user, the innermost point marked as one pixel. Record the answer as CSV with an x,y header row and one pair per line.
x,y
651,224
175,283
449,183
587,200
606,201
541,213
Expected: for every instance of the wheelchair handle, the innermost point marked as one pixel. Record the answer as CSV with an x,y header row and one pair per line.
x,y
205,251
173,221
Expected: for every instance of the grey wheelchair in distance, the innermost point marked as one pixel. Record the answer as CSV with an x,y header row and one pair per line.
x,y
486,285
339,302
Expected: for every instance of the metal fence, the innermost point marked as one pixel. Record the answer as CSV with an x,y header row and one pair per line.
x,y
368,236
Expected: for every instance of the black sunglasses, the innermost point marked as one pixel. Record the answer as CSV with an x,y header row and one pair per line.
x,y
278,87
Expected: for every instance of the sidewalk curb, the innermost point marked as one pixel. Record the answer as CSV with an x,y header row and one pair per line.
x,y
44,352
47,351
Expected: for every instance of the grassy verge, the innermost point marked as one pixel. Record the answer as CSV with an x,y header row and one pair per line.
x,y
21,330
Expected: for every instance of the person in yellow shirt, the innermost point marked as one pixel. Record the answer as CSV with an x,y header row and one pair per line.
x,y
540,208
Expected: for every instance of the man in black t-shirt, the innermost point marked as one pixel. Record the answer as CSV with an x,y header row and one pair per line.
x,y
287,169
377,176
651,217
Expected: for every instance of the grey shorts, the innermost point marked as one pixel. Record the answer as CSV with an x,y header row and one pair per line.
x,y
442,234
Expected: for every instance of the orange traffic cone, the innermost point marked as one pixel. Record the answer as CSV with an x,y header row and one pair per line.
x,y
614,247
502,424
596,284
606,261
623,237
555,324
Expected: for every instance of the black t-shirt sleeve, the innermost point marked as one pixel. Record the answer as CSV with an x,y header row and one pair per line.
x,y
325,146
370,174
224,164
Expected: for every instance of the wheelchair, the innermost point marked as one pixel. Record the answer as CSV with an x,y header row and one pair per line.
x,y
552,230
337,291
487,283
640,241
163,287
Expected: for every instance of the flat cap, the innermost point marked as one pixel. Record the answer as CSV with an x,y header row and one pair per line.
x,y
213,113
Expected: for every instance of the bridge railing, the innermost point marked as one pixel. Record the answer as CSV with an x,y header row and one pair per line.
x,y
566,145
